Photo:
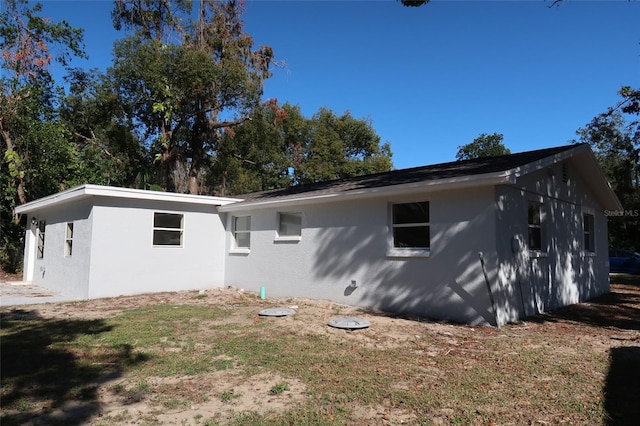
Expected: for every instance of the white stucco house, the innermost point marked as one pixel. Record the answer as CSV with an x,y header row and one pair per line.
x,y
483,241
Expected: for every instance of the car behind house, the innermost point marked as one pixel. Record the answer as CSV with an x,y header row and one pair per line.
x,y
624,261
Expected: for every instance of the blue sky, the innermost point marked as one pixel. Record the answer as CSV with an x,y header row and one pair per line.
x,y
433,78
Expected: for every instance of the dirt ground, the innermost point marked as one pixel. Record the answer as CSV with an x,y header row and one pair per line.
x,y
611,320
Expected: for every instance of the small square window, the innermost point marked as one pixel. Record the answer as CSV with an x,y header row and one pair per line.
x,y
167,229
242,231
289,224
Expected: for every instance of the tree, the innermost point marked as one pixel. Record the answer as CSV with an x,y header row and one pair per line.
x,y
36,156
152,19
26,41
413,3
104,136
256,155
614,137
418,3
179,92
279,147
484,145
340,147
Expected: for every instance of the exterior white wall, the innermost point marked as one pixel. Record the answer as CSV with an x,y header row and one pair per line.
x,y
124,260
563,272
348,240
68,275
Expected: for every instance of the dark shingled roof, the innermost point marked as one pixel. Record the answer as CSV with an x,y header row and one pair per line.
x,y
452,169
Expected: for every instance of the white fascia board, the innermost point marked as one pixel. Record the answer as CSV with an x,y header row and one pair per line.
x,y
57,198
548,161
86,191
595,177
592,173
393,190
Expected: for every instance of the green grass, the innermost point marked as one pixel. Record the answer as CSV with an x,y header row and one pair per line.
x,y
279,388
516,374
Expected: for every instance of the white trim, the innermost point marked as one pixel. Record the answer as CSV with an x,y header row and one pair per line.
x,y
538,253
544,248
86,191
239,251
592,232
408,252
288,238
528,168
397,190
234,247
155,228
392,250
68,240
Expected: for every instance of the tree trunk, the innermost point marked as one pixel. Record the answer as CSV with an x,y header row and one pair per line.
x,y
194,186
14,163
165,167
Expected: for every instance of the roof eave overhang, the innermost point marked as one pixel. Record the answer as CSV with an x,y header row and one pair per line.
x,y
594,176
486,179
87,191
534,166
587,164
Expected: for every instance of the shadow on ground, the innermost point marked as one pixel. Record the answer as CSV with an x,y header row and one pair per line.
x,y
619,308
622,388
41,375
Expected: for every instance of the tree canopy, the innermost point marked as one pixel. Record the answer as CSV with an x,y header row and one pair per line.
x,y
36,153
614,136
484,145
279,147
180,109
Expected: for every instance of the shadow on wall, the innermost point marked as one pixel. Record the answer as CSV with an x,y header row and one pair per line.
x,y
561,275
622,387
449,285
37,368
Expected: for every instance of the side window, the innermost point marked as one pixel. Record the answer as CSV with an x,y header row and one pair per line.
x,y
242,231
167,229
588,223
534,225
289,224
68,240
41,227
410,224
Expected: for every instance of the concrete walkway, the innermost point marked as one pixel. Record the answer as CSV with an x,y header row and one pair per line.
x,y
24,293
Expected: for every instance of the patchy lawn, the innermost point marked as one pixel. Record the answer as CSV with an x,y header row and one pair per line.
x,y
209,359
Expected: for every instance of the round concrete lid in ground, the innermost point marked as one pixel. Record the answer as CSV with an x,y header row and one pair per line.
x,y
276,312
349,323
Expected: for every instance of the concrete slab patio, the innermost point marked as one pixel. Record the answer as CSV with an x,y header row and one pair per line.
x,y
25,293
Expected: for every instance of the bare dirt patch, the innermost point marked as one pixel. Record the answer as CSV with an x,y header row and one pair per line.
x,y
440,353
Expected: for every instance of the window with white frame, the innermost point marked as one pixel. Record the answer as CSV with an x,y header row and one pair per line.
x,y
68,240
588,223
41,228
289,224
410,223
534,225
168,229
242,232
